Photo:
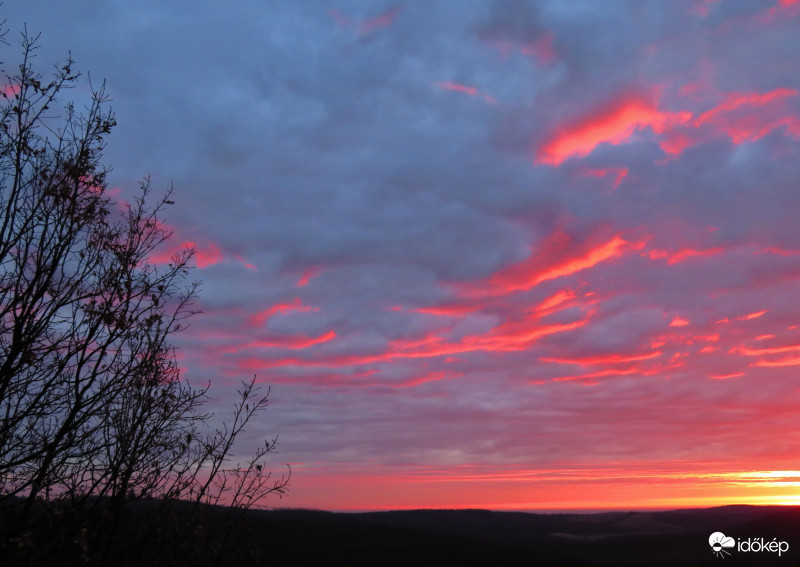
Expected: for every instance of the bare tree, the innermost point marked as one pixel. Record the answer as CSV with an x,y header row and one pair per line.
x,y
93,413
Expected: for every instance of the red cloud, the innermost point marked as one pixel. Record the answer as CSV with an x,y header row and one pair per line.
x,y
786,8
738,116
556,258
204,257
245,263
556,300
755,315
613,123
449,309
471,91
509,336
735,100
727,376
306,276
431,377
448,86
622,365
683,254
762,351
290,341
793,361
619,173
605,359
598,374
207,256
742,117
261,317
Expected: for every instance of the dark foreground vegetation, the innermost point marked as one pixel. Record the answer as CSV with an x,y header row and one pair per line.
x,y
211,536
107,455
480,537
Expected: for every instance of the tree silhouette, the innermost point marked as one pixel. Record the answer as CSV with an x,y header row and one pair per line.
x,y
93,413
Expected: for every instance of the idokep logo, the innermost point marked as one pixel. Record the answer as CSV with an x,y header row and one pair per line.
x,y
720,544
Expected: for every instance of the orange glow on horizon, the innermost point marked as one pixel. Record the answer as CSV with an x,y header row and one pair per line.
x,y
598,488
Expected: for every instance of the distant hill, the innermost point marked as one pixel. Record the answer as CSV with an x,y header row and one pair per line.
x,y
481,537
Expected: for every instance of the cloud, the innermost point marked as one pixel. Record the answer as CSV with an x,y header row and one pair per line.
x,y
471,91
557,257
614,122
368,25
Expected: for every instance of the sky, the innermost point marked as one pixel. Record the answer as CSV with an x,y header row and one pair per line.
x,y
486,253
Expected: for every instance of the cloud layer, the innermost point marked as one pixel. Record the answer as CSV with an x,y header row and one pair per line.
x,y
540,247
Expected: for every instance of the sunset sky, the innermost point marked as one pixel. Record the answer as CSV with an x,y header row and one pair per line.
x,y
490,253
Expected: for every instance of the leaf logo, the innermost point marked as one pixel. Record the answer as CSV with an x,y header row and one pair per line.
x,y
719,542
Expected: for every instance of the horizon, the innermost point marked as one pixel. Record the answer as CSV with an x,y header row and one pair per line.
x,y
491,255
542,511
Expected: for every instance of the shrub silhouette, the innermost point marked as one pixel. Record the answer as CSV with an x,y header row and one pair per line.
x,y
93,414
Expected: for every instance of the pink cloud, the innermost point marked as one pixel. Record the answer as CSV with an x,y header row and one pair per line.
x,y
307,275
260,318
557,257
285,341
616,173
614,122
204,257
468,90
683,254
